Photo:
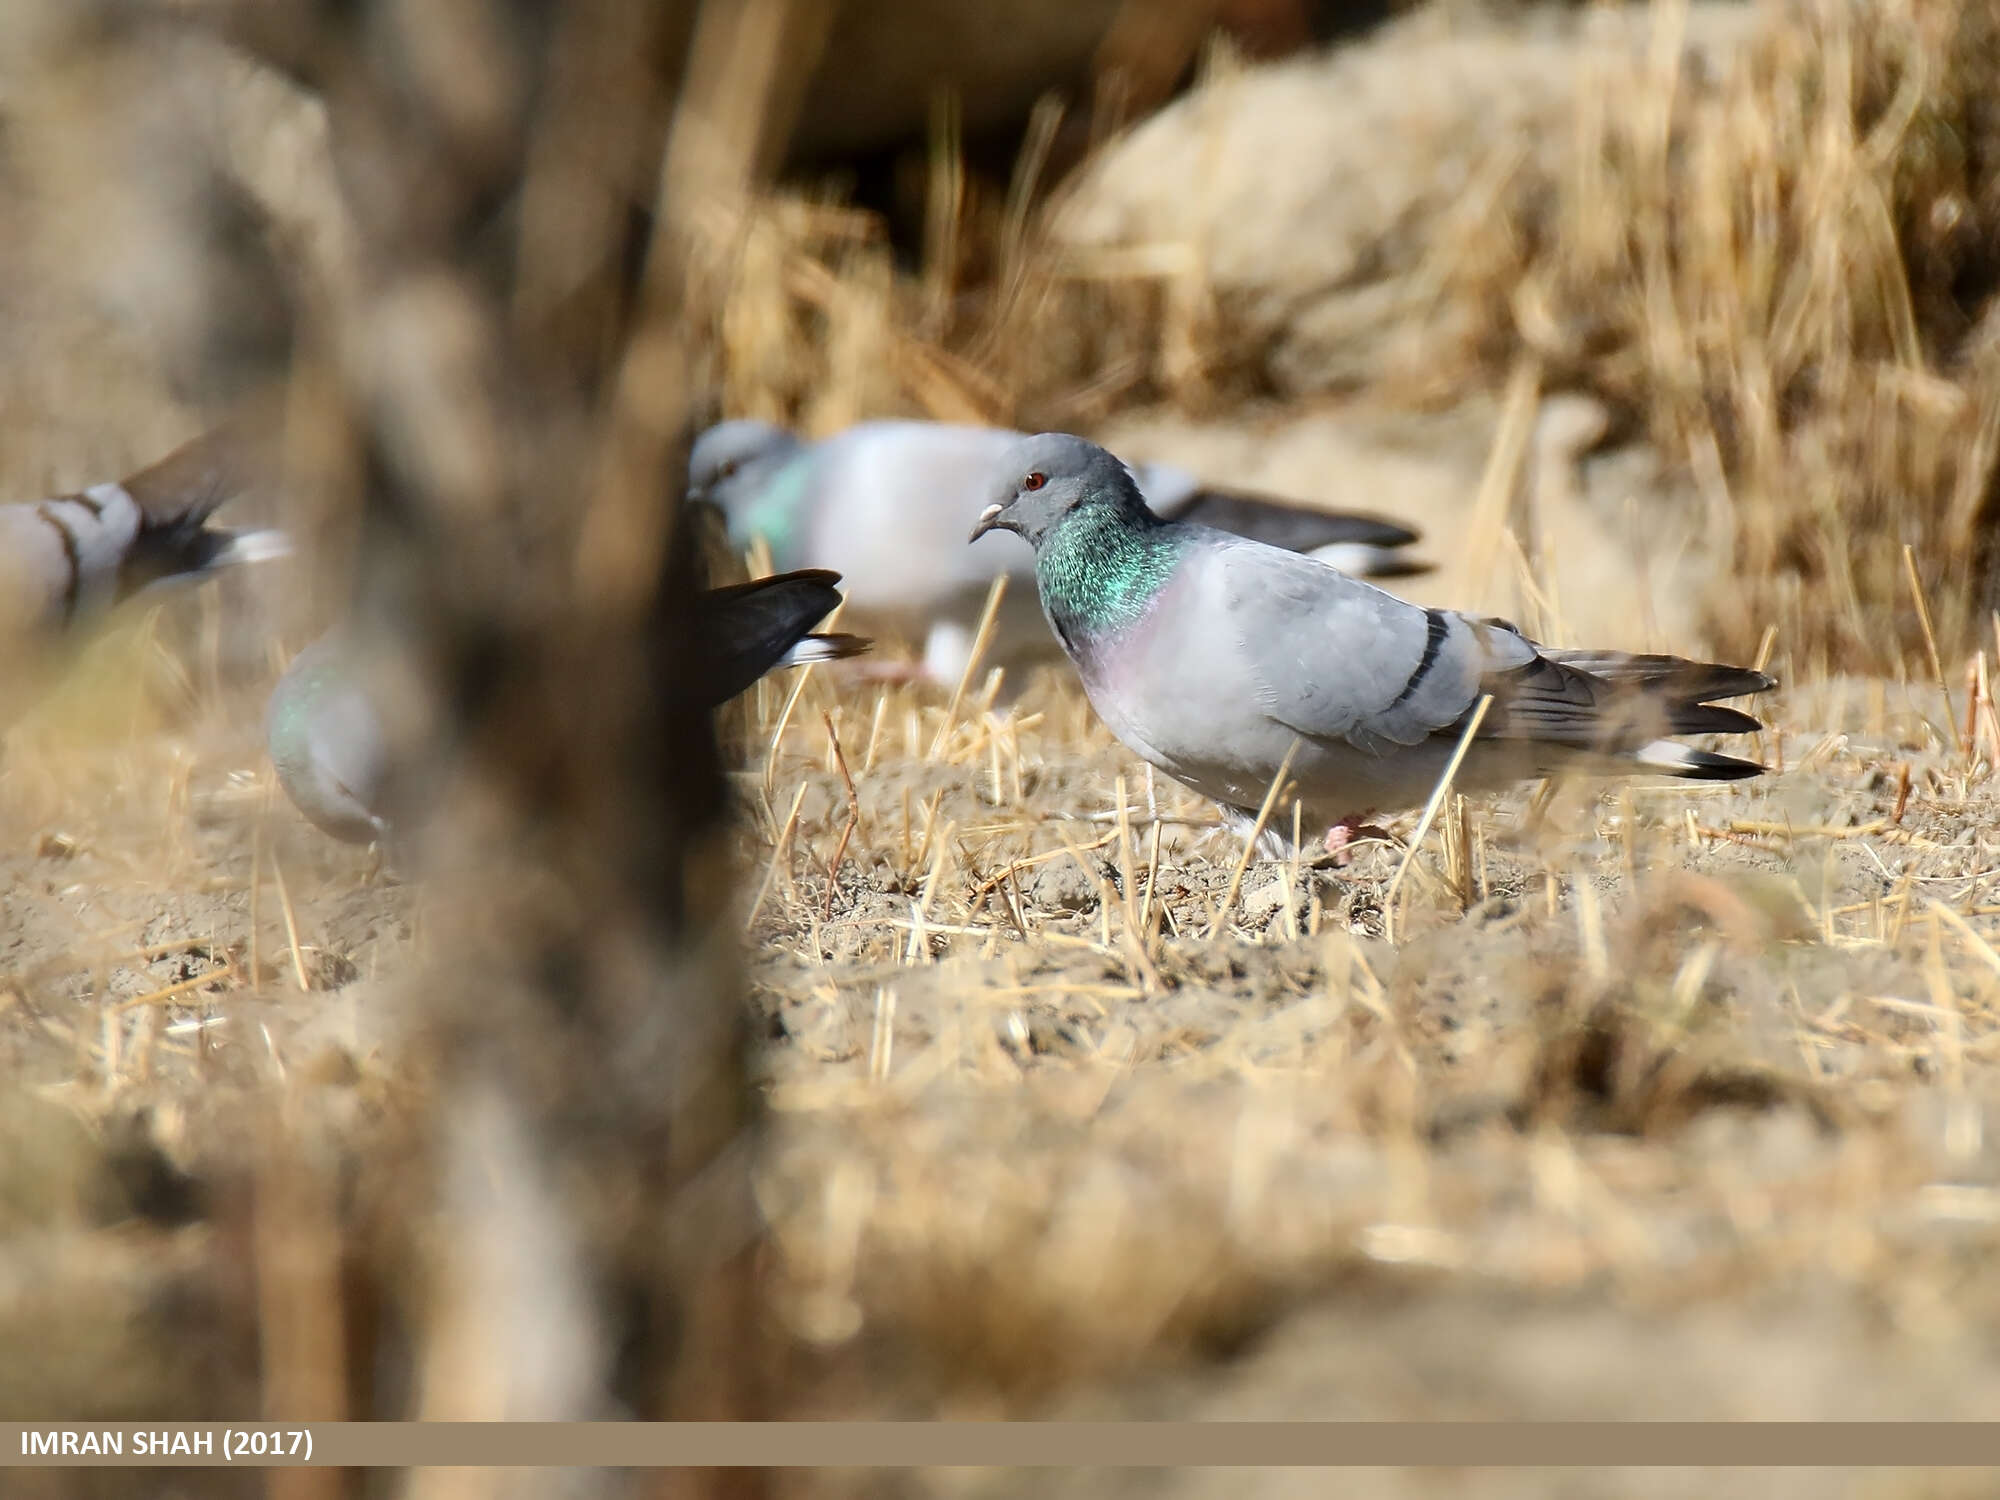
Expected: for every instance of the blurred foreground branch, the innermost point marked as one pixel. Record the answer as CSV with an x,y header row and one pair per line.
x,y
585,1224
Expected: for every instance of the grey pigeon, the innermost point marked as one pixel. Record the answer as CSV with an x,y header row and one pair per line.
x,y
329,739
329,745
1211,656
887,504
67,561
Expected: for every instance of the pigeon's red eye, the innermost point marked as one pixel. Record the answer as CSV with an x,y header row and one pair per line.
x,y
728,468
1035,481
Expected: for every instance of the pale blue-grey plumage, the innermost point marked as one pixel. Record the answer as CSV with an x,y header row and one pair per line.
x,y
887,504
328,743
1213,656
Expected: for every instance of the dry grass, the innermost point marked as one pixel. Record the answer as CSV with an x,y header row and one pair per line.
x,y
1784,271
1029,1108
1049,1105
1788,272
1063,1088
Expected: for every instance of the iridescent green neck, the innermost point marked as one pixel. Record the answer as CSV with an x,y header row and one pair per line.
x,y
778,512
1100,567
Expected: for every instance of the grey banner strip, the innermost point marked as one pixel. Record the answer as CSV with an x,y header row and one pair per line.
x,y
1003,1444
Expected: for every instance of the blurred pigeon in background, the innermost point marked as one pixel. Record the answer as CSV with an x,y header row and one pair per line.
x,y
71,558
1213,656
330,742
888,505
66,562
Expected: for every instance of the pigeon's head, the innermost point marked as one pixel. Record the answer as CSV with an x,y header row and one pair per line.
x,y
732,465
1044,479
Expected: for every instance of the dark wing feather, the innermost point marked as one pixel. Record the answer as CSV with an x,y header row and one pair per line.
x,y
746,629
176,496
1282,523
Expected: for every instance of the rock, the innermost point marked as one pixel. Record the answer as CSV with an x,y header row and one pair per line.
x,y
1312,194
886,62
1063,885
1269,897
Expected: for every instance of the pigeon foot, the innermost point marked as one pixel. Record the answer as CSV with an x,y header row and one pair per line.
x,y
1350,830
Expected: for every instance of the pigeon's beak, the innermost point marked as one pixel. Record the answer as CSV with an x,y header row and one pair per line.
x,y
988,519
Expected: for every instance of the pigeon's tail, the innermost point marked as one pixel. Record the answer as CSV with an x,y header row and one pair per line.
x,y
748,629
238,548
1671,758
1680,691
829,647
1357,543
1621,709
173,556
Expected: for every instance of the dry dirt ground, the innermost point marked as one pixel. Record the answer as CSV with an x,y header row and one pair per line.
x,y
1653,1102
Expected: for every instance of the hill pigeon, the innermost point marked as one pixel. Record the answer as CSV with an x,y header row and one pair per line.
x,y
888,504
1211,656
331,747
67,561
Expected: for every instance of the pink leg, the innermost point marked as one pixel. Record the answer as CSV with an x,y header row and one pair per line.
x,y
1343,834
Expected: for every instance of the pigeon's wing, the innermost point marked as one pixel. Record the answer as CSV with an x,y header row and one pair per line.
x,y
1333,658
748,629
1364,544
